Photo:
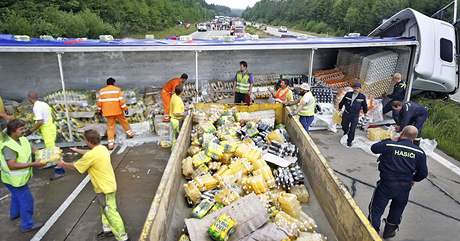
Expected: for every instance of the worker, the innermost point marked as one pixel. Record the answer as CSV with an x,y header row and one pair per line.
x,y
113,107
306,106
283,94
242,86
4,118
16,170
96,162
401,163
399,92
168,91
354,102
410,113
45,124
177,112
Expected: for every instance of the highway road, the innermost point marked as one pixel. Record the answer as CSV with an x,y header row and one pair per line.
x,y
209,34
274,31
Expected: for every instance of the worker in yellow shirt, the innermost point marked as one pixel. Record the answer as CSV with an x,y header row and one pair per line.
x,y
96,162
176,112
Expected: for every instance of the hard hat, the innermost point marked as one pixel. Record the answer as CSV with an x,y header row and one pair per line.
x,y
305,86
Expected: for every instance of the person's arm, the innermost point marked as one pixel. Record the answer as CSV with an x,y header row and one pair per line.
x,y
122,101
404,119
379,147
5,116
251,83
66,165
36,126
421,170
365,108
300,105
342,102
79,151
11,156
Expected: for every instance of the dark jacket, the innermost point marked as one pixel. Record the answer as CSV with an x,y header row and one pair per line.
x,y
399,91
355,107
409,112
400,161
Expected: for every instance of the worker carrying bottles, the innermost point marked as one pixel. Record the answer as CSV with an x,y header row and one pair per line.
x,y
168,91
45,124
112,105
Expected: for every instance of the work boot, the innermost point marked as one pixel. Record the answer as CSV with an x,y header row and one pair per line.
x,y
33,228
390,230
103,235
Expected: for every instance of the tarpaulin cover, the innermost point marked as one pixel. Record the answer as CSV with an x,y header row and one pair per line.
x,y
9,40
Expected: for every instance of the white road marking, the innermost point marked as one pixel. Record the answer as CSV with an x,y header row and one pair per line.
x,y
52,220
7,195
441,160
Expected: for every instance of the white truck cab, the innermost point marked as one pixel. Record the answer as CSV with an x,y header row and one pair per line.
x,y
436,62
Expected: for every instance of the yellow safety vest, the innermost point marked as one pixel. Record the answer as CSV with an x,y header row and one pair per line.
x,y
20,177
308,109
242,82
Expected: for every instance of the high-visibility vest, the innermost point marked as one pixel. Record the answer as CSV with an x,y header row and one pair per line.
x,y
20,177
281,94
111,101
308,109
242,82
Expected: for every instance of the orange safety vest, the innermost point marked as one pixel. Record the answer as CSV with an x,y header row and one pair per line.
x,y
281,94
111,101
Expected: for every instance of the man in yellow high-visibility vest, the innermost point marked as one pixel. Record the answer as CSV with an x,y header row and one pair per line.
x,y
45,124
243,83
16,170
306,107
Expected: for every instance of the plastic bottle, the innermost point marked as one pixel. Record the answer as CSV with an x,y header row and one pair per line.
x,y
258,184
192,192
289,204
187,167
301,192
206,182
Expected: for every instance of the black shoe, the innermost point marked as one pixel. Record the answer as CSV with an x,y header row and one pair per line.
x,y
390,230
14,218
33,228
349,145
103,235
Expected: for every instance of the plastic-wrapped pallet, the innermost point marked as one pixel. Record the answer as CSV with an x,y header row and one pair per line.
x,y
379,66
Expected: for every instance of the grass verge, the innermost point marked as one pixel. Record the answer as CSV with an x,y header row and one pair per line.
x,y
443,125
261,33
173,31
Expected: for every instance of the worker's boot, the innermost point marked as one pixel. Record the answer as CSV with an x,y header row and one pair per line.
x,y
130,134
390,230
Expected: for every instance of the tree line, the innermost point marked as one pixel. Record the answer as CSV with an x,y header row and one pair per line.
x,y
335,17
91,18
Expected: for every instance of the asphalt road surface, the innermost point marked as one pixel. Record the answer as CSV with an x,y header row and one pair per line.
x,y
208,34
433,211
274,31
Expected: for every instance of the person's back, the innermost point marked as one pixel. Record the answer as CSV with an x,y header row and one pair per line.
x,y
400,161
171,85
110,101
99,167
412,113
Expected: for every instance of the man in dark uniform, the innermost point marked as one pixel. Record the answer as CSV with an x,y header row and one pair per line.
x,y
401,163
399,92
410,113
353,102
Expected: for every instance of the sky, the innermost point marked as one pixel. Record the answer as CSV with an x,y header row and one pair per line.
x,y
238,4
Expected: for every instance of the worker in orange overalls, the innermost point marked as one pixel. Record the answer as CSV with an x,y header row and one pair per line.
x,y
112,105
168,91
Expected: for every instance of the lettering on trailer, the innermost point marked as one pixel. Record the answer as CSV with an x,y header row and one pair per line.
x,y
405,154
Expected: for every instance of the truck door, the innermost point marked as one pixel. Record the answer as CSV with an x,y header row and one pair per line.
x,y
457,52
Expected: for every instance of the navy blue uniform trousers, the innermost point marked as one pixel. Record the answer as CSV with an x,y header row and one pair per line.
x,y
349,124
398,193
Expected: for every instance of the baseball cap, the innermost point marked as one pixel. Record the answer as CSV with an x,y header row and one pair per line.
x,y
305,86
356,85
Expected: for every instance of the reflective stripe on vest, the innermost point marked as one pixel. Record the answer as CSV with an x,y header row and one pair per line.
x,y
242,83
309,109
16,178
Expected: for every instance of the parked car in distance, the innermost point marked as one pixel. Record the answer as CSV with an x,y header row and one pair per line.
x,y
202,27
282,29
